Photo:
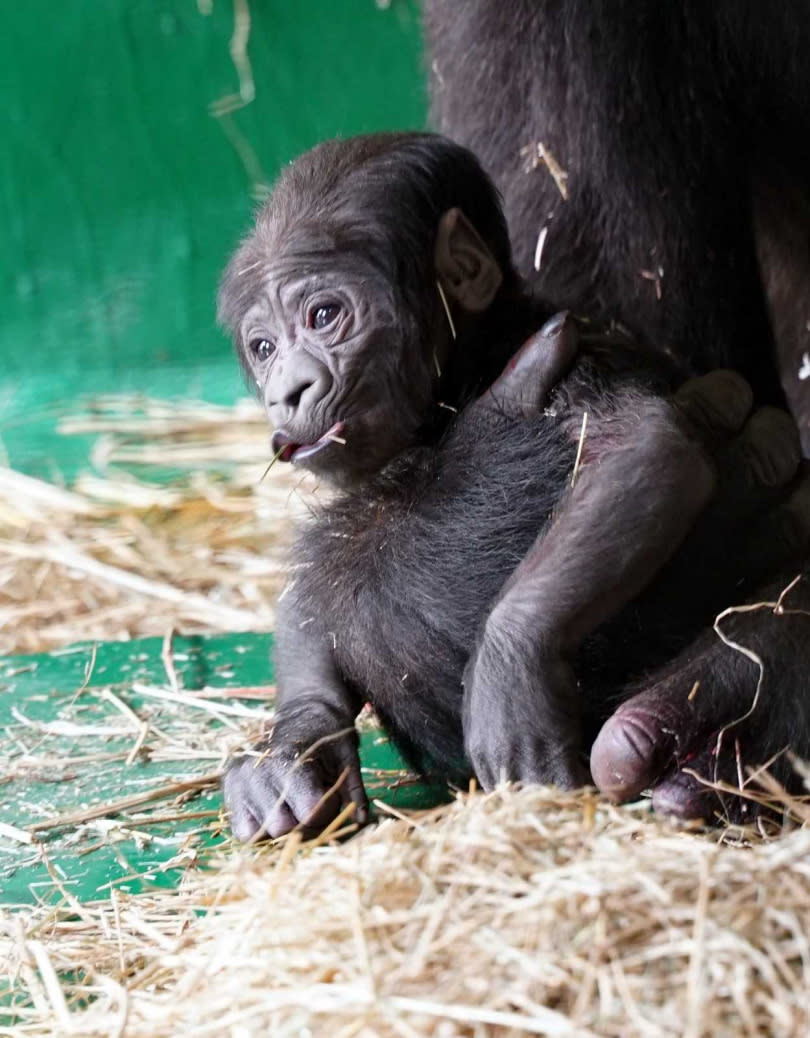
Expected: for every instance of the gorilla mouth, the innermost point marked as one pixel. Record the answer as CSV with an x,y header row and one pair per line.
x,y
286,448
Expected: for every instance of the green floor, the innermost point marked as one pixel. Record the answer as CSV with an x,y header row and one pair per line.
x,y
69,725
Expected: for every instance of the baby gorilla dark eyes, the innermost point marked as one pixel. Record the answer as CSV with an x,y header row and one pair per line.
x,y
319,317
262,349
323,315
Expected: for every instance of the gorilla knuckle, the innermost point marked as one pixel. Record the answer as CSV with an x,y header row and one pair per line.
x,y
717,402
773,446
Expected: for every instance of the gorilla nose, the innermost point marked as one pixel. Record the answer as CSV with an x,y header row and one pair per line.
x,y
293,395
295,387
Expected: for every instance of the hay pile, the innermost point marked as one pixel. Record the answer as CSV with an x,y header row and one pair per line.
x,y
197,542
518,912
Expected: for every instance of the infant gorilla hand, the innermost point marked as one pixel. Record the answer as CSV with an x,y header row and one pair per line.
x,y
308,771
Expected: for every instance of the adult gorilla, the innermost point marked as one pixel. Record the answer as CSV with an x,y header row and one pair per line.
x,y
654,161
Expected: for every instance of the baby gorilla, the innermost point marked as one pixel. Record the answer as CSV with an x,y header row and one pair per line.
x,y
474,577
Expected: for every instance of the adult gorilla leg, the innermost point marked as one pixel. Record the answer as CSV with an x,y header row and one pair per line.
x,y
741,693
737,699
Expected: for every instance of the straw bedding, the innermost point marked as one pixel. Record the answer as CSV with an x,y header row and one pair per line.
x,y
519,912
529,912
197,541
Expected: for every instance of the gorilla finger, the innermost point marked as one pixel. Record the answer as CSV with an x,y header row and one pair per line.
x,y
772,446
352,791
757,466
313,803
278,820
525,384
692,792
485,773
753,472
253,803
630,751
244,823
682,795
564,770
717,404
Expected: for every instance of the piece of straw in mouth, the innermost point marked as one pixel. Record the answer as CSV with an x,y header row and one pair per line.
x,y
273,460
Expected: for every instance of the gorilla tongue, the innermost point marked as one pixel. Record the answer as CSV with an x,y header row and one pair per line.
x,y
285,448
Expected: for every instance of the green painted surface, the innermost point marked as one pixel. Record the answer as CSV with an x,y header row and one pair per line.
x,y
66,734
121,195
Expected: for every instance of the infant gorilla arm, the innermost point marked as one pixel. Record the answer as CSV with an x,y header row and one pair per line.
x,y
361,361
643,479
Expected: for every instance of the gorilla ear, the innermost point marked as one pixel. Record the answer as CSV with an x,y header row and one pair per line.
x,y
468,272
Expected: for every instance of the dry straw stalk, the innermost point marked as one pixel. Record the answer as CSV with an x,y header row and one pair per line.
x,y
198,543
529,912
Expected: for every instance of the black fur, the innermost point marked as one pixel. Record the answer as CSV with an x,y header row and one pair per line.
x,y
401,573
399,576
438,559
684,129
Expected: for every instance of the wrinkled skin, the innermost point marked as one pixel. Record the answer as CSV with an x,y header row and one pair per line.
x,y
307,327
272,791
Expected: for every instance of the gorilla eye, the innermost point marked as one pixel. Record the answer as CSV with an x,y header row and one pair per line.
x,y
262,349
323,315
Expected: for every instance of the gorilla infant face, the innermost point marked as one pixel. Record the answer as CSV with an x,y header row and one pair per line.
x,y
333,299
343,382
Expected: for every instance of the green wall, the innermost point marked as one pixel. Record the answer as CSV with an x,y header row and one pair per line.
x,y
121,194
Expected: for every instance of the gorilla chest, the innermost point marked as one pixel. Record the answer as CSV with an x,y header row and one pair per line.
x,y
386,595
400,584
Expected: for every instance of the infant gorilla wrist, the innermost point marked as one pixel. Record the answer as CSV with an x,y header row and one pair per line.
x,y
499,508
